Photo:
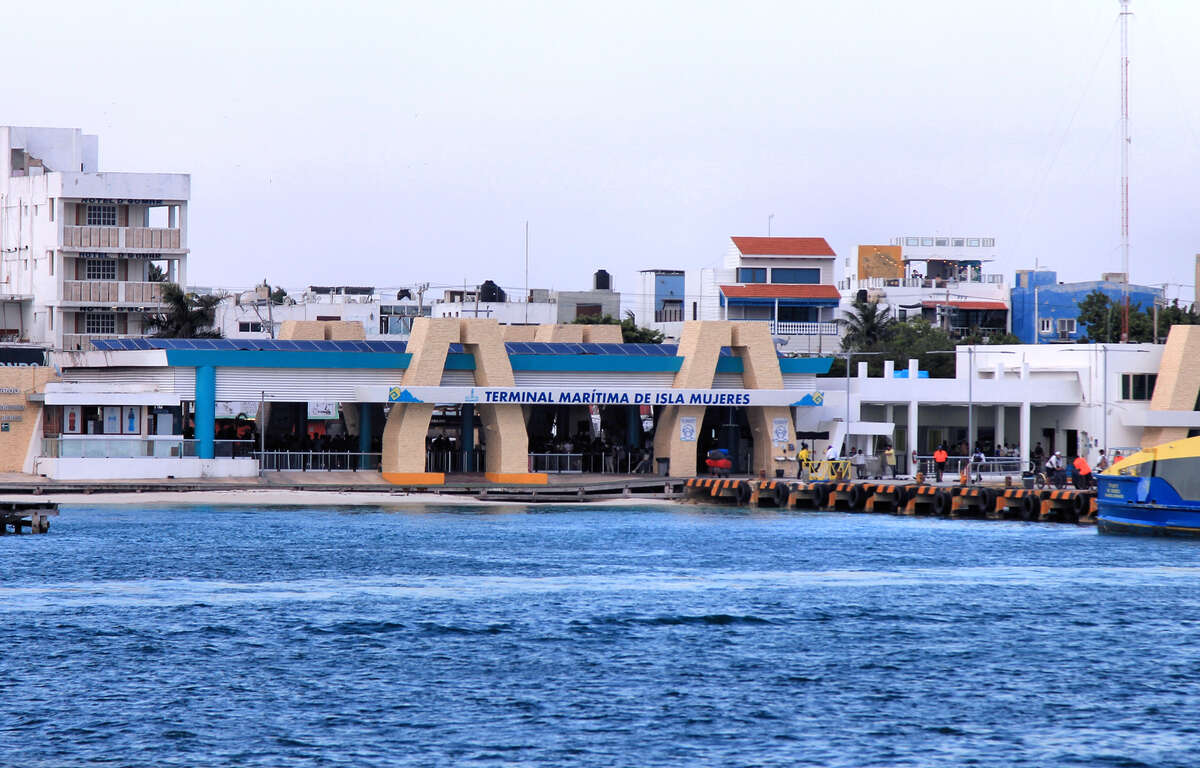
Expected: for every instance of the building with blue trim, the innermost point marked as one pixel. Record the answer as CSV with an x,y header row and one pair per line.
x,y
1045,311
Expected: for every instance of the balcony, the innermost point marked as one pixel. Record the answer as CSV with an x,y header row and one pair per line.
x,y
669,315
121,239
784,328
112,292
878,283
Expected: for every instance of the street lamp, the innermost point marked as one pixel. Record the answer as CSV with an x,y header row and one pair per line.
x,y
971,385
1104,387
847,356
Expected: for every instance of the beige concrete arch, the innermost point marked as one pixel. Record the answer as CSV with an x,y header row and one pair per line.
x,y
700,347
403,460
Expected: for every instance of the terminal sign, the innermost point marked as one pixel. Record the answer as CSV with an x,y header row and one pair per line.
x,y
591,396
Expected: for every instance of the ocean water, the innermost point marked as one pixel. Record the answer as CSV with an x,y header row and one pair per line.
x,y
585,636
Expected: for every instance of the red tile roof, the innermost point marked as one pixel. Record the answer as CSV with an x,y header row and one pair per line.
x,y
780,291
967,304
783,246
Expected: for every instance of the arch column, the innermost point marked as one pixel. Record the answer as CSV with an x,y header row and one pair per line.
x,y
407,424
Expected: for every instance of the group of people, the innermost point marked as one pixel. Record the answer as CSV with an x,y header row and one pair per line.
x,y
1056,468
858,460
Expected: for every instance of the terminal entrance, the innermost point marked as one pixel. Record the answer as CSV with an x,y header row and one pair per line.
x,y
726,429
596,439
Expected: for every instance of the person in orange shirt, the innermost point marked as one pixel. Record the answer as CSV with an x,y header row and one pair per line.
x,y
1083,473
939,461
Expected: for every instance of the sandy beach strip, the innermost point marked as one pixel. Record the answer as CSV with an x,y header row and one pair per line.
x,y
288,497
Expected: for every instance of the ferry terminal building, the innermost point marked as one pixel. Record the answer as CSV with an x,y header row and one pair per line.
x,y
147,408
723,385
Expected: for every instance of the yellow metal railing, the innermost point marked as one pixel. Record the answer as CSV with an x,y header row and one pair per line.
x,y
836,469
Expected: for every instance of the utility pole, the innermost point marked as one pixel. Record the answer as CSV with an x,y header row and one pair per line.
x,y
1125,169
527,272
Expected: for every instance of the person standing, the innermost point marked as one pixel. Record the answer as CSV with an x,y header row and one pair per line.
x,y
802,460
1102,464
889,460
860,464
939,461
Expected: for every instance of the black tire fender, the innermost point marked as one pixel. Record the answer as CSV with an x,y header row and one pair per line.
x,y
941,503
743,493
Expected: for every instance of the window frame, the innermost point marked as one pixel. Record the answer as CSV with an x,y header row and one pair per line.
x,y
101,219
102,321
814,272
101,265
742,271
1046,325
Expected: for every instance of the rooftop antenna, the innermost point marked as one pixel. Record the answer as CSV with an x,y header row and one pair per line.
x,y
1125,169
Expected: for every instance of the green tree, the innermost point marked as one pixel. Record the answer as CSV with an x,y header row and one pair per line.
x,y
156,274
867,326
900,342
1099,319
187,315
631,332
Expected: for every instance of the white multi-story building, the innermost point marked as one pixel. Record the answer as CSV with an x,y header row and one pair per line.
x,y
85,252
785,281
942,279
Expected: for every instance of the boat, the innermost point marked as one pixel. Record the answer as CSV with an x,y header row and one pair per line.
x,y
1154,491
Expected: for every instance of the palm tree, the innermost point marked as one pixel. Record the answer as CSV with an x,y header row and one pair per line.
x,y
867,326
186,316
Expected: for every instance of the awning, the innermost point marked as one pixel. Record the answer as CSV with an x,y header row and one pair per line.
x,y
968,305
76,394
781,291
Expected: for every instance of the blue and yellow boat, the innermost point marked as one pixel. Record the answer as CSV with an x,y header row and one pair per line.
x,y
1154,491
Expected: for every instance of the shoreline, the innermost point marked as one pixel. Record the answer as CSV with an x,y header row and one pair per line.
x,y
299,498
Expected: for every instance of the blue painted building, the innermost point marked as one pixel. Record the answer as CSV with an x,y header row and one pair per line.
x,y
662,297
1045,311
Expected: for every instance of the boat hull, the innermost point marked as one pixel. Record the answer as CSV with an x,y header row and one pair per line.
x,y
1130,504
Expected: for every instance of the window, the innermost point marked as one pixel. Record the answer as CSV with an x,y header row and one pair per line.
x,y
942,242
752,274
808,276
1066,327
695,310
102,215
1045,325
958,242
1138,386
50,261
249,327
100,322
51,203
911,241
588,310
100,269
927,241
989,242
972,242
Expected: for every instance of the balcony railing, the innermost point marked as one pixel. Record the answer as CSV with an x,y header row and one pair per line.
x,y
112,292
133,447
959,331
919,282
121,238
668,315
82,342
784,328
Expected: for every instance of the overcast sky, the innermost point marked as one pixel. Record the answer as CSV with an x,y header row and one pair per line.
x,y
389,143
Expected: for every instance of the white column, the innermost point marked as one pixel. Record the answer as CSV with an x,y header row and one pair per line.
x,y
913,431
1025,446
999,432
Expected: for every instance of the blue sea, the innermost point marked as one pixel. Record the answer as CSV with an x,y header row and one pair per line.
x,y
592,636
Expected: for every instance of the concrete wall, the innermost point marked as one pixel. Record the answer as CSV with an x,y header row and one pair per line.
x,y
144,468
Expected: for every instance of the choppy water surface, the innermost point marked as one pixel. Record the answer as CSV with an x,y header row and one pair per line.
x,y
584,636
